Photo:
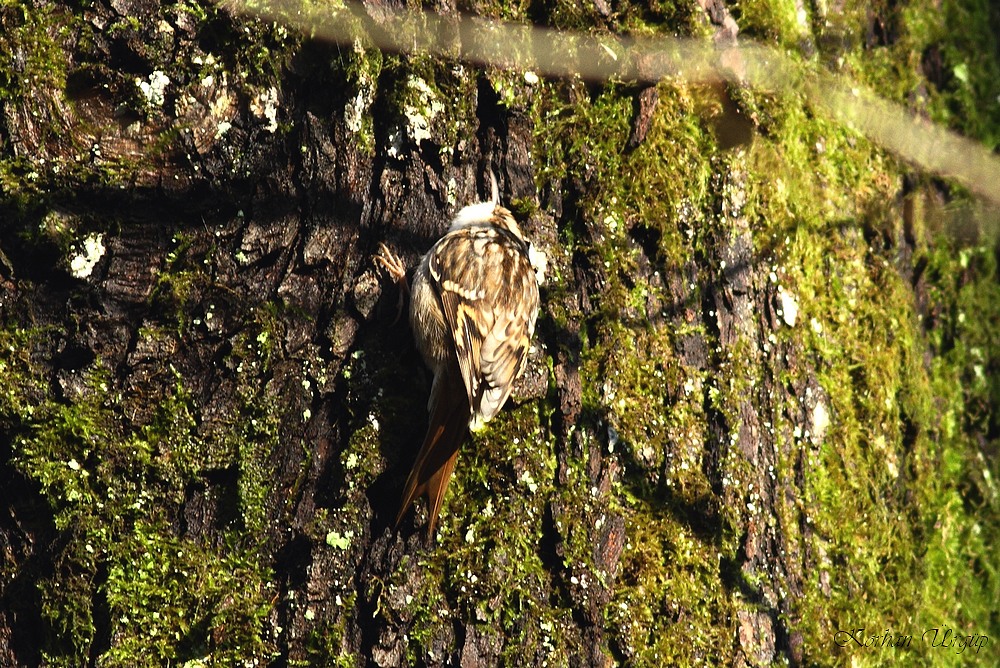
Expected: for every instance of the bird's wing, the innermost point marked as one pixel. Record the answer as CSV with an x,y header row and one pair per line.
x,y
489,297
504,349
461,288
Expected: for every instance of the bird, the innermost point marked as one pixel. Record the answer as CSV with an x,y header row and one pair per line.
x,y
474,300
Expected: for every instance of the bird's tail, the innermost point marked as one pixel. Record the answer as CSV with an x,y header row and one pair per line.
x,y
449,423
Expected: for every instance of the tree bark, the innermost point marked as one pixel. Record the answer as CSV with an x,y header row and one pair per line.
x,y
742,426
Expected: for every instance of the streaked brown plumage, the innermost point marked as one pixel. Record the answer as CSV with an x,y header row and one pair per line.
x,y
473,305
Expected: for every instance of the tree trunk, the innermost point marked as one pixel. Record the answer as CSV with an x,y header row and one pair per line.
x,y
758,421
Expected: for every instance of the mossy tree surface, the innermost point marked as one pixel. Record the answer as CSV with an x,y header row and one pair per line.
x,y
758,424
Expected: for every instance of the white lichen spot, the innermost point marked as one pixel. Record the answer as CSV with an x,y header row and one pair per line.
x,y
421,110
539,262
816,326
470,535
153,87
306,414
222,128
396,146
820,420
351,461
265,106
82,264
73,464
530,78
354,111
357,107
310,614
529,482
789,307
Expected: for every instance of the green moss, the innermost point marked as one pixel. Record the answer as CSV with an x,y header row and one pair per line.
x,y
362,67
327,644
34,37
479,571
784,23
816,195
897,422
669,607
361,460
586,140
938,54
255,50
965,34
852,476
897,425
35,68
963,507
171,600
630,372
110,489
432,102
61,91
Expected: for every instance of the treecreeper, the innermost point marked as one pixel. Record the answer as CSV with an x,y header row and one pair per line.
x,y
473,304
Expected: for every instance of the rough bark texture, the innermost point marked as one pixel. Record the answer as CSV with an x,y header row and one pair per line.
x,y
760,412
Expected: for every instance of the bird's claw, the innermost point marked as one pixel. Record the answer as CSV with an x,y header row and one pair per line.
x,y
390,263
394,268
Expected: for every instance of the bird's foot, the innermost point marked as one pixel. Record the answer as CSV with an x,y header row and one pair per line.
x,y
394,268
